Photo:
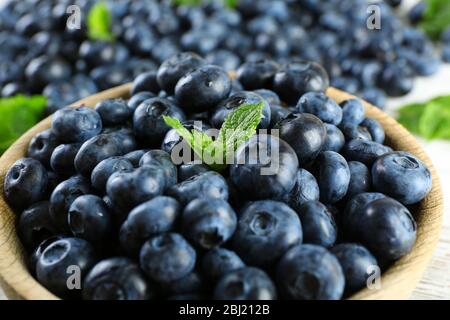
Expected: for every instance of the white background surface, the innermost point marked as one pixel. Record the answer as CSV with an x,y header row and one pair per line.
x,y
436,281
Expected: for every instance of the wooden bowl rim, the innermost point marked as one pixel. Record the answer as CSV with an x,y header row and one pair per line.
x,y
396,283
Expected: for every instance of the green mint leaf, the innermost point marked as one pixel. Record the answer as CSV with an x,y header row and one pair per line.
x,y
99,20
231,4
17,115
187,2
436,17
409,116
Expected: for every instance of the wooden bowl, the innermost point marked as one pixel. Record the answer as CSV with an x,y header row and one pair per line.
x,y
396,283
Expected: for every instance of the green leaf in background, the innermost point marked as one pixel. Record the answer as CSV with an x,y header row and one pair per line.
x,y
99,22
237,128
231,4
17,115
436,17
430,120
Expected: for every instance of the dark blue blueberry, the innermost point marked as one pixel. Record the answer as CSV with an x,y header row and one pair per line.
x,y
295,79
116,278
270,96
204,185
357,263
109,76
364,151
245,284
257,74
224,58
148,122
162,160
209,223
318,224
392,229
44,70
149,219
63,196
353,112
106,168
346,84
113,112
129,189
174,68
375,129
305,133
138,98
42,145
202,89
36,253
305,189
310,272
374,96
76,124
35,225
145,82
335,139
360,179
354,132
277,114
96,53
167,257
25,183
395,80
402,176
62,160
446,53
333,176
219,261
193,283
89,218
265,167
323,107
188,170
140,38
266,230
235,101
56,264
135,157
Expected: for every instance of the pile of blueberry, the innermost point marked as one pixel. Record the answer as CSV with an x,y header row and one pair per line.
x,y
39,54
100,191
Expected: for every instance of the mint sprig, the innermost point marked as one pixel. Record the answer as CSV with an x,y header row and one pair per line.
x,y
17,115
99,20
237,128
436,17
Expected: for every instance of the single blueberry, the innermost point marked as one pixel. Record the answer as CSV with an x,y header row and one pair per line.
x,y
113,112
62,160
353,112
375,129
364,151
219,261
305,189
318,224
335,139
323,107
145,82
42,146
257,74
162,160
106,168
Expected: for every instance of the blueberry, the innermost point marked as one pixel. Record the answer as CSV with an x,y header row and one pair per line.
x,y
297,78
113,112
42,146
257,74
224,58
25,183
55,265
138,98
392,229
204,185
235,101
268,227
167,257
353,112
193,283
106,168
375,96
446,53
245,284
135,157
63,196
319,226
351,214
277,114
89,218
395,80
333,176
148,122
129,189
375,129
270,96
188,170
219,261
335,139
145,82
402,176
149,219
357,263
323,107
76,124
360,179
44,70
162,160
209,223
305,189
364,151
176,67
203,88
264,167
36,253
310,272
353,132
305,133
63,158
35,225
116,278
